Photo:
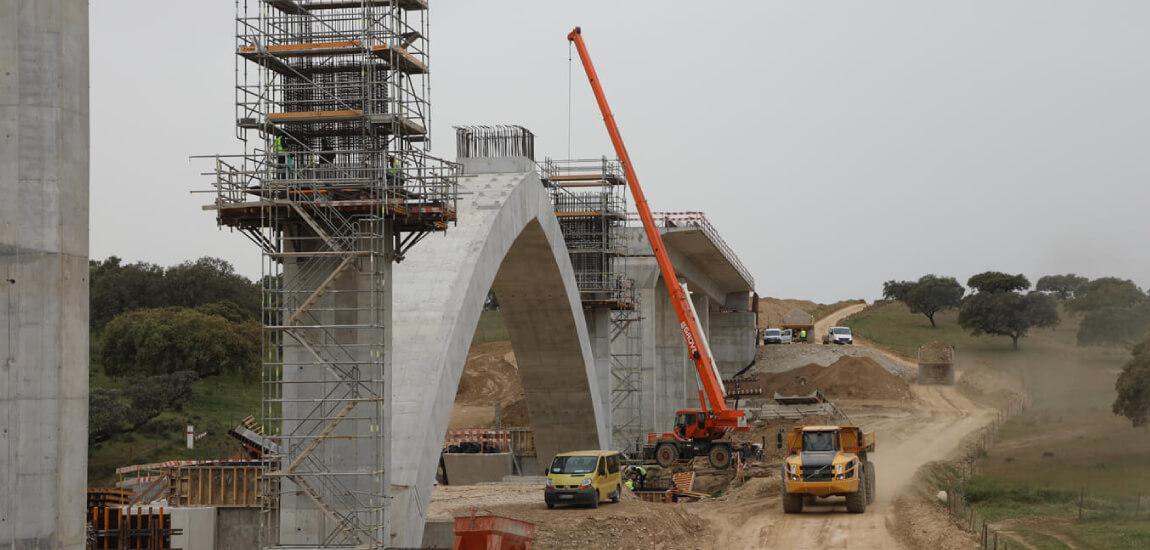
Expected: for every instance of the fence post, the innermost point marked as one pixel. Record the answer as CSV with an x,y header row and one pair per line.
x,y
985,538
1081,499
1138,505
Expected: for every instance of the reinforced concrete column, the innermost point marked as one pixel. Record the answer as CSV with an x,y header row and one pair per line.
x,y
44,140
672,364
599,332
335,366
734,340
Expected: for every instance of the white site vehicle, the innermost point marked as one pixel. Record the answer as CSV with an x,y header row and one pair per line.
x,y
839,335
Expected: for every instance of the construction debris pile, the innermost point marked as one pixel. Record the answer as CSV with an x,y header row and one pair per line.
x,y
848,378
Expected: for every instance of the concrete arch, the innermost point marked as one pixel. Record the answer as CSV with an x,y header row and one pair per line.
x,y
507,239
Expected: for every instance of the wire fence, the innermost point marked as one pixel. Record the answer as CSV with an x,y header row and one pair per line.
x,y
990,537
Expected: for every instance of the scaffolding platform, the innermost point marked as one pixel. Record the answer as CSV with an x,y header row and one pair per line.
x,y
399,58
294,7
392,56
582,180
383,122
309,49
408,216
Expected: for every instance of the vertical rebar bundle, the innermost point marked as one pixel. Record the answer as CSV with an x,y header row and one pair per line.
x,y
494,141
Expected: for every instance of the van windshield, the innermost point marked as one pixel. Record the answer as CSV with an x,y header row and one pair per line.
x,y
574,464
773,332
841,330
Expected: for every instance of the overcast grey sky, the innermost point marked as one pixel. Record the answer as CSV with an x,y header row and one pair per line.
x,y
834,144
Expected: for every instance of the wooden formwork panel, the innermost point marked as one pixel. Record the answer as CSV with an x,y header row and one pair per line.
x,y
215,485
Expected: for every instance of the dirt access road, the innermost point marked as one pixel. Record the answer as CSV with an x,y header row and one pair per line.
x,y
824,324
908,435
931,428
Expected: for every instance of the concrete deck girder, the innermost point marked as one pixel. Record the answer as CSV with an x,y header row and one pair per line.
x,y
721,295
509,240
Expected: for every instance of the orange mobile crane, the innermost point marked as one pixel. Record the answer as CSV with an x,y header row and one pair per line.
x,y
697,432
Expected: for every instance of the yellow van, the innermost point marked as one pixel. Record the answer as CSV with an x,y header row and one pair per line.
x,y
584,477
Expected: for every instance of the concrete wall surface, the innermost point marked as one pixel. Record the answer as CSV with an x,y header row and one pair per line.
x,y
439,534
734,340
43,273
237,528
473,468
507,239
198,526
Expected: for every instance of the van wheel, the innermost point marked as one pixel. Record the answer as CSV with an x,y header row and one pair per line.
x,y
595,503
792,504
666,454
615,495
856,501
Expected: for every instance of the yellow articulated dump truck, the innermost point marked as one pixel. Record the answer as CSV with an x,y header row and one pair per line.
x,y
828,461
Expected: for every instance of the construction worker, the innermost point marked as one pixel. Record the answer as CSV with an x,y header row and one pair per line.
x,y
281,156
641,476
393,170
630,484
803,335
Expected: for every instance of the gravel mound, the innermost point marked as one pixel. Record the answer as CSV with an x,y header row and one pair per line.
x,y
849,377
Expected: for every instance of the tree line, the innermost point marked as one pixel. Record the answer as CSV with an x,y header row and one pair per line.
x,y
1114,312
998,303
157,330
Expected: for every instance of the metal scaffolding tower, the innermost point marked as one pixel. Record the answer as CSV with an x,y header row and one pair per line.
x,y
335,184
626,342
591,204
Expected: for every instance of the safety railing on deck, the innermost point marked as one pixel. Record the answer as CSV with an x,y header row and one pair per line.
x,y
699,220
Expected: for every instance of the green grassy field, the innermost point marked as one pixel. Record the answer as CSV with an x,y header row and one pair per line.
x,y
491,328
218,404
1066,442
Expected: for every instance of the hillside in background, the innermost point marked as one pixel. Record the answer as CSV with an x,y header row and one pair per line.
x,y
772,310
1066,446
170,347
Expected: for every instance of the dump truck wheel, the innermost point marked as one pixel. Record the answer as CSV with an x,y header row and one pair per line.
x,y
868,469
666,454
792,504
550,506
856,501
720,457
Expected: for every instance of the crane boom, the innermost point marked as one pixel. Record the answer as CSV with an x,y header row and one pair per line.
x,y
700,353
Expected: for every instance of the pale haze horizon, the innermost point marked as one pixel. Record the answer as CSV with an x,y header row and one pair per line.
x,y
835,145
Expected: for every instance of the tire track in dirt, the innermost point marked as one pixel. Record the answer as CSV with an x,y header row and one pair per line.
x,y
929,429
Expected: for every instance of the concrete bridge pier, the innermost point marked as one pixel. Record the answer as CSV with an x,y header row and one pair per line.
x,y
43,273
721,293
